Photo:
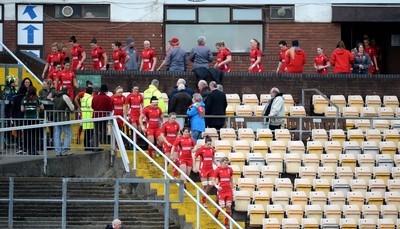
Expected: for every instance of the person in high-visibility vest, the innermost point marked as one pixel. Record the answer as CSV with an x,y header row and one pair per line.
x,y
153,91
87,113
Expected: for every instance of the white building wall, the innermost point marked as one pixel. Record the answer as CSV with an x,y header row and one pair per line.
x,y
152,10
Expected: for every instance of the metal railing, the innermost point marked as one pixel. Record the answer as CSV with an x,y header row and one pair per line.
x,y
199,191
64,200
20,62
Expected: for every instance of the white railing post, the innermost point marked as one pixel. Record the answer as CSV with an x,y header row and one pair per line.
x,y
198,209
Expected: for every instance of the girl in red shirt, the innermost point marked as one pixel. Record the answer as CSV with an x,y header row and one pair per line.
x,y
119,105
54,56
282,53
149,58
78,55
67,78
255,56
99,56
119,56
372,54
321,61
185,144
207,160
134,101
224,57
295,58
169,133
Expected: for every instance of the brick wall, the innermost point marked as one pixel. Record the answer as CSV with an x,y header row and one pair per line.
x,y
10,34
310,36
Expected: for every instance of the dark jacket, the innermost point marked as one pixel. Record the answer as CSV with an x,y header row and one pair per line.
x,y
204,93
180,103
175,90
202,73
60,104
101,102
16,106
363,60
216,105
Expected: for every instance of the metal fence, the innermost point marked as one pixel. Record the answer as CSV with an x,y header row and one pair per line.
x,y
115,199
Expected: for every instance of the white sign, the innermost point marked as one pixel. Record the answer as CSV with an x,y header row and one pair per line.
x,y
30,34
1,36
32,51
30,13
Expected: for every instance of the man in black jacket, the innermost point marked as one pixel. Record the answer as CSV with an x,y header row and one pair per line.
x,y
215,105
180,103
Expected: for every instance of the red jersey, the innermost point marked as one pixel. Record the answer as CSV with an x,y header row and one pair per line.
x,y
152,116
63,56
118,104
66,78
282,55
321,60
372,53
206,158
134,102
295,65
119,60
98,59
54,57
254,53
224,176
186,145
170,131
221,56
53,75
76,54
147,58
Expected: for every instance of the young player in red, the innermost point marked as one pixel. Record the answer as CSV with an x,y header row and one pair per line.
x,y
99,56
119,56
134,101
78,55
207,159
223,182
169,133
53,57
186,144
119,105
255,56
67,78
149,58
224,57
321,61
153,115
54,73
372,54
282,53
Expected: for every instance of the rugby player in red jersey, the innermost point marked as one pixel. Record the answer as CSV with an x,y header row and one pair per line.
x,y
119,56
99,56
149,58
119,105
66,78
53,57
255,56
134,101
207,159
169,133
224,57
78,55
153,115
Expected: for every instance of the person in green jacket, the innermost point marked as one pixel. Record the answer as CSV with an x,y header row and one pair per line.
x,y
87,113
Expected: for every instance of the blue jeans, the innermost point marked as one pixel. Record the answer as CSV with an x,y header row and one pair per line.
x,y
58,130
196,135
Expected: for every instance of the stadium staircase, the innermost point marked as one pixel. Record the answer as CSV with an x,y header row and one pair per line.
x,y
79,215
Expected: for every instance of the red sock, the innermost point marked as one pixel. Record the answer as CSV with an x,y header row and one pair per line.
x,y
184,185
203,199
175,170
151,151
226,219
217,212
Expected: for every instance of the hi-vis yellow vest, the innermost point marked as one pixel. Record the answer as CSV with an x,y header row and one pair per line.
x,y
153,91
87,111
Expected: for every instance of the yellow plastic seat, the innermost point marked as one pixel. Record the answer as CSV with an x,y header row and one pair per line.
x,y
362,124
329,160
381,125
319,135
311,160
337,198
296,147
233,100
259,147
327,173
227,134
292,163
388,147
319,103
366,160
265,185
223,146
387,223
270,171
391,135
242,200
288,102
313,211
331,112
264,98
389,212
348,160
284,184
377,186
333,212
333,147
247,184
299,198
373,101
315,147
256,214
385,112
308,173
303,185
373,135
246,134
283,135
348,224
374,198
262,198
394,185
390,101
356,198
264,135
293,212
355,101
297,111
271,223
309,223
345,173
278,147
280,197
381,173
359,185
258,110
276,211
351,148
229,111
337,135
393,198
339,100
363,173
241,146
318,198
237,173
237,159
356,135
251,171
244,110
370,212
352,212
350,112
368,112
250,99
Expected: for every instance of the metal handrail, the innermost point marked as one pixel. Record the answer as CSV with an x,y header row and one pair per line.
x,y
64,199
166,174
21,63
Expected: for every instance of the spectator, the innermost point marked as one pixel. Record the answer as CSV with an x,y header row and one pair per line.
x,y
203,89
63,107
18,115
149,58
215,105
133,62
78,55
201,55
116,224
176,60
295,58
77,102
87,113
321,61
26,82
102,107
220,87
180,103
196,114
119,56
31,105
99,56
341,59
255,56
282,53
46,95
8,94
224,57
47,92
165,57
362,61
154,116
153,91
275,107
187,88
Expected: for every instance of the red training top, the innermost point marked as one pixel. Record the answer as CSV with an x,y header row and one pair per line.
x,y
147,58
282,54
54,57
118,104
254,53
321,60
186,144
152,116
119,60
66,78
134,102
342,60
170,131
76,54
98,59
295,65
206,158
221,56
224,176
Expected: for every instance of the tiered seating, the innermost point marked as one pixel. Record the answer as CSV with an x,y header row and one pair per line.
x,y
250,99
319,103
288,102
339,100
233,100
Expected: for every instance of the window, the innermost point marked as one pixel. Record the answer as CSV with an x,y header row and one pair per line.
x,y
235,26
74,11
